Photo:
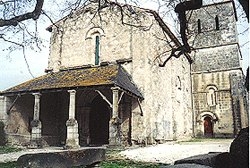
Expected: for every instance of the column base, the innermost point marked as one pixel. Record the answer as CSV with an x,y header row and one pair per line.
x,y
36,135
72,140
37,144
71,144
114,132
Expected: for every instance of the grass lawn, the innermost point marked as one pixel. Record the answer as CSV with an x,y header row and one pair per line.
x,y
114,160
127,164
8,149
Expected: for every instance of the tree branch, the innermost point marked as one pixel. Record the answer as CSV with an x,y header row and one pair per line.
x,y
245,6
29,15
181,8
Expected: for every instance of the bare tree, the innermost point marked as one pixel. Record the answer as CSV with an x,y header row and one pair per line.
x,y
19,19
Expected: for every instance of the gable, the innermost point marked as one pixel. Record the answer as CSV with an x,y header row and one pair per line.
x,y
123,31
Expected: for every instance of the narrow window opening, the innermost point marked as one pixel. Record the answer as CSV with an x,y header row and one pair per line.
x,y
178,83
97,50
211,97
217,23
199,25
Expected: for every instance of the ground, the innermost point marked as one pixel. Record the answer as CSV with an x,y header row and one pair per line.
x,y
172,151
165,153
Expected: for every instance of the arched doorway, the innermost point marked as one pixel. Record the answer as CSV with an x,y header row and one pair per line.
x,y
208,127
99,122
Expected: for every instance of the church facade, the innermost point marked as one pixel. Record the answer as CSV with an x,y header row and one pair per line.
x,y
105,83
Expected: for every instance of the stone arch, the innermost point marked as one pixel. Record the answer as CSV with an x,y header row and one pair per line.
x,y
207,120
93,32
211,86
214,116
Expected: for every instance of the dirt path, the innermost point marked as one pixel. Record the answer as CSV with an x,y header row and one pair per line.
x,y
172,151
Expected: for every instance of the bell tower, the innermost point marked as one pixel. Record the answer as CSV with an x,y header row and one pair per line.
x,y
213,36
218,91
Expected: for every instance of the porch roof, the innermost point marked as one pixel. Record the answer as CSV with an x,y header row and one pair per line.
x,y
112,75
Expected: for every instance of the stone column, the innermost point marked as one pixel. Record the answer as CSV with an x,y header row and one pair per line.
x,y
114,125
72,140
3,108
36,125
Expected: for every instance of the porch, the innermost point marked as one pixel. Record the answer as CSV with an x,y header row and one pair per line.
x,y
79,107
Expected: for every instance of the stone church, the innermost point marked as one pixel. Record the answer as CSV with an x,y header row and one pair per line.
x,y
105,83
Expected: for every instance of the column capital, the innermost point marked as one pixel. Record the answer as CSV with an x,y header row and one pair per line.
x,y
115,88
72,91
37,94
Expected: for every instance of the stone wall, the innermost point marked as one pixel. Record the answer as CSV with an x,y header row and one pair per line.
x,y
117,39
216,59
221,110
239,101
19,116
230,112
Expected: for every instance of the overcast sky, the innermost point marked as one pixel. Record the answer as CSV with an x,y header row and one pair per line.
x,y
13,68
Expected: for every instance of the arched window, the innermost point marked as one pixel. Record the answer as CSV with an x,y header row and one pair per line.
x,y
217,27
97,50
199,25
94,35
211,96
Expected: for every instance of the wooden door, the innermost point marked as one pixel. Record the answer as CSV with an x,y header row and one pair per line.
x,y
208,127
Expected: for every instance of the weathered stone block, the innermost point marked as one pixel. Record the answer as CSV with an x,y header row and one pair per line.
x,y
205,159
239,148
239,152
64,159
